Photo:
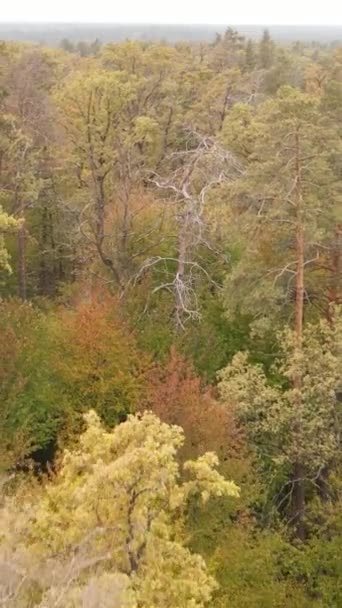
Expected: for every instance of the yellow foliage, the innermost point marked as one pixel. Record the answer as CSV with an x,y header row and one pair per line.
x,y
108,530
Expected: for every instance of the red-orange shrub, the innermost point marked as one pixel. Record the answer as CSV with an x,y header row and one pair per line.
x,y
177,396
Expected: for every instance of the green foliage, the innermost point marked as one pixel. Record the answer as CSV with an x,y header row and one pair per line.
x,y
254,567
282,432
57,365
266,51
250,575
262,281
31,408
321,564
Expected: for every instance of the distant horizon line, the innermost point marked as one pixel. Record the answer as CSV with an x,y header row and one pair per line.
x,y
173,24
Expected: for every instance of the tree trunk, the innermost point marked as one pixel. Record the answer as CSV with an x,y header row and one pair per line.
x,y
181,279
334,291
43,271
22,279
100,231
298,469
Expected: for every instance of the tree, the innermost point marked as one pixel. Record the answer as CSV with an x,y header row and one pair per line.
x,y
227,51
219,94
7,223
292,425
124,541
27,133
291,173
111,144
67,45
178,396
251,59
31,411
266,51
287,199
95,360
194,175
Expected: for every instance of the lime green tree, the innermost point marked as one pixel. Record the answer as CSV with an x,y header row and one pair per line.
x,y
7,224
124,542
111,141
284,430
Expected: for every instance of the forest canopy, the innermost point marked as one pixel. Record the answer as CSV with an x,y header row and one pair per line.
x,y
170,322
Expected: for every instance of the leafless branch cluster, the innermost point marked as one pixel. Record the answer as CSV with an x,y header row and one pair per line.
x,y
194,173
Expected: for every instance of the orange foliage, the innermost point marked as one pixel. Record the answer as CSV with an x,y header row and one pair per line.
x,y
11,342
96,358
177,396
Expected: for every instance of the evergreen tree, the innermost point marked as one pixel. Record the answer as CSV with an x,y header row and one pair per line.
x,y
251,59
266,51
289,190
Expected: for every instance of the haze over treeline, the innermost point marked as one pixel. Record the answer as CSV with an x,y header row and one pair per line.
x,y
52,33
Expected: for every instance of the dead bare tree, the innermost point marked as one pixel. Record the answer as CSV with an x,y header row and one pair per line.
x,y
194,174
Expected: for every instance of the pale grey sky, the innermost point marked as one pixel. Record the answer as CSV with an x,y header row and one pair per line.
x,y
288,12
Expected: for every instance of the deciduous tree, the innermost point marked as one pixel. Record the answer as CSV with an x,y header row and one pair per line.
x,y
124,541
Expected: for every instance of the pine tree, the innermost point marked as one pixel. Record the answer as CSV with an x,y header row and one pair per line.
x,y
289,190
266,51
251,59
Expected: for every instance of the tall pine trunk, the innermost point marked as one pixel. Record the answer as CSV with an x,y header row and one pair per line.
x,y
334,295
21,240
22,282
298,497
